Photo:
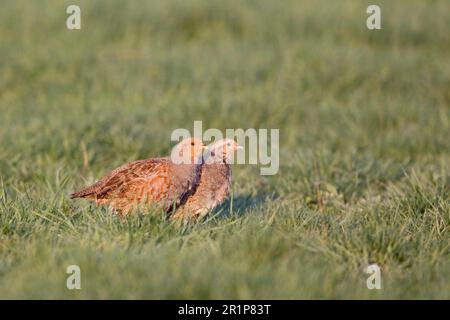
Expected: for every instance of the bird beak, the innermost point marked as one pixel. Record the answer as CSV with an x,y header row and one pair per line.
x,y
239,147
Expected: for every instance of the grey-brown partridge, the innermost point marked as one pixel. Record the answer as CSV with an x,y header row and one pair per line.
x,y
159,182
215,182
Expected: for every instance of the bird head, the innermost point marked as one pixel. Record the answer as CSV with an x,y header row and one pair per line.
x,y
222,151
188,151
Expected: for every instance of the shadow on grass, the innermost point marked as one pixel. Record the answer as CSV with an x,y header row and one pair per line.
x,y
240,205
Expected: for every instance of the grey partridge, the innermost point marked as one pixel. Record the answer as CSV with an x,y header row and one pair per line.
x,y
215,182
159,182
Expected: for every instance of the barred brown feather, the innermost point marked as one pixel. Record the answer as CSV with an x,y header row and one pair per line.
x,y
155,181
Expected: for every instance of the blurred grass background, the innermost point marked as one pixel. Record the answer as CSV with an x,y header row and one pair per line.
x,y
364,133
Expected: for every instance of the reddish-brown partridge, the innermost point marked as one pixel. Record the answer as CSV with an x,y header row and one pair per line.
x,y
159,182
215,181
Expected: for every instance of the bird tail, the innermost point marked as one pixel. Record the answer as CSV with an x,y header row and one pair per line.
x,y
76,195
81,194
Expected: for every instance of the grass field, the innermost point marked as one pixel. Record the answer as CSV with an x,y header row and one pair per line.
x,y
364,119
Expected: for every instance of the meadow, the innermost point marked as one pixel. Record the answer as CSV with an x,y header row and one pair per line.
x,y
364,119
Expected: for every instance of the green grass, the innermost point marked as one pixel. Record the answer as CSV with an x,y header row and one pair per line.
x,y
364,119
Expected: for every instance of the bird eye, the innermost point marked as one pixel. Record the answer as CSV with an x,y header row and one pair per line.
x,y
228,144
192,143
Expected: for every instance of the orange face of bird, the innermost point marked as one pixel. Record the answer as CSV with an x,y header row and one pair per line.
x,y
222,151
188,151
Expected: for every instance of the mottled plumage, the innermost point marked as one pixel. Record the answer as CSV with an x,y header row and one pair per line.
x,y
215,182
159,182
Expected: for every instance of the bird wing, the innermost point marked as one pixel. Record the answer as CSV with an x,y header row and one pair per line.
x,y
136,181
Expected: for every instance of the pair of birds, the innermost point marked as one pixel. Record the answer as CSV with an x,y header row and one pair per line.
x,y
189,183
